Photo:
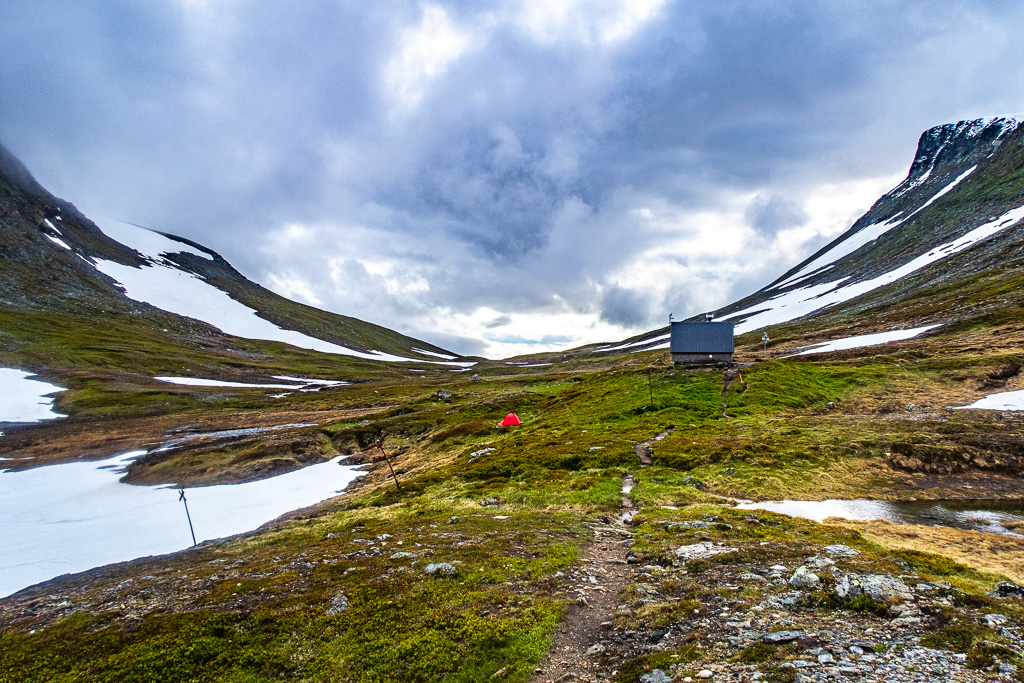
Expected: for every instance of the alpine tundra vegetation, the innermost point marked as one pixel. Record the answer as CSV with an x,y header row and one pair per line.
x,y
619,533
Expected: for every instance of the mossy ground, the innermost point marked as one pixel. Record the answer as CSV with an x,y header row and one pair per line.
x,y
509,508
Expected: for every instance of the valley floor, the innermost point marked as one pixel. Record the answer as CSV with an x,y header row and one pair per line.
x,y
505,554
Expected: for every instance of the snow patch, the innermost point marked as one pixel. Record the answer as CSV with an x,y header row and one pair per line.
x,y
25,400
860,341
1006,400
58,241
313,380
200,382
445,356
631,345
150,244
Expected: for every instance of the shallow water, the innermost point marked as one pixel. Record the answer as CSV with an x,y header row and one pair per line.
x,y
226,433
74,516
975,515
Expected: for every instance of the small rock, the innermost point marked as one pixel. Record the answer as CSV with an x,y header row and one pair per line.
x,y
701,551
403,556
840,549
1007,668
474,377
655,676
487,502
781,637
705,673
442,394
803,578
825,658
595,649
856,650
441,568
339,603
994,620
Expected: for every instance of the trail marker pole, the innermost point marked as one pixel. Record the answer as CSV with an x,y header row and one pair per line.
x,y
764,338
181,497
380,445
650,387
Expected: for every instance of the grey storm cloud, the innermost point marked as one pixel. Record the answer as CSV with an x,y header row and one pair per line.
x,y
625,307
768,215
515,176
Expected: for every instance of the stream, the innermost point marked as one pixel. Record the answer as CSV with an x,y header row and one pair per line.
x,y
974,515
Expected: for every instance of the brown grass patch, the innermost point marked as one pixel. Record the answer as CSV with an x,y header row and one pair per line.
x,y
980,550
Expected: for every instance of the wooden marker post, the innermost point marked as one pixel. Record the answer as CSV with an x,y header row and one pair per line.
x,y
380,445
181,497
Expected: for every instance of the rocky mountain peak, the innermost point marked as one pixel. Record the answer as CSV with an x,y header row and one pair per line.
x,y
961,143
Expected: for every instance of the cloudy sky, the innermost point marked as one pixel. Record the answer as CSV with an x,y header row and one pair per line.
x,y
496,177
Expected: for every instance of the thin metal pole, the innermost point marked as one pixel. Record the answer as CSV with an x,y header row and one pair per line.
x,y
380,445
181,497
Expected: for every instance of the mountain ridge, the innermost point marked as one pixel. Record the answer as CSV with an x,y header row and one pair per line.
x,y
51,251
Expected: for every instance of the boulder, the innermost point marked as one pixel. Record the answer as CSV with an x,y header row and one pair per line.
x,y
879,587
339,603
803,578
1008,589
441,569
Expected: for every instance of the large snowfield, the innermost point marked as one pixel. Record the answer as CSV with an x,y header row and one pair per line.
x,y
72,517
23,399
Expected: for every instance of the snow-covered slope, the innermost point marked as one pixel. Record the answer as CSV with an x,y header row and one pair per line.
x,y
60,263
167,285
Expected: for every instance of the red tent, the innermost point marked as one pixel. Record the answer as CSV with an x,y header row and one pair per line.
x,y
511,420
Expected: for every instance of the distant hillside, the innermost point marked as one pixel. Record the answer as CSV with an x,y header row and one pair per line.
x,y
915,258
62,273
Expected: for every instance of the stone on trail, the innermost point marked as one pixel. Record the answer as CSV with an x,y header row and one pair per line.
x,y
878,587
780,637
655,676
701,551
442,568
